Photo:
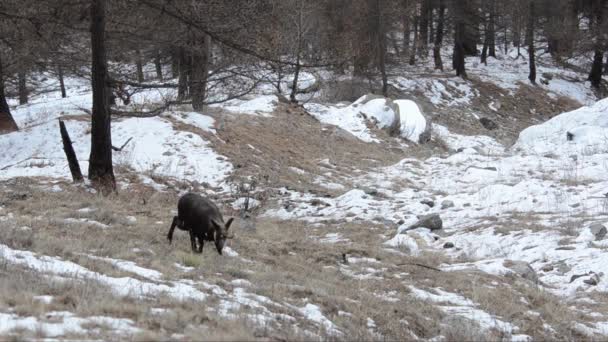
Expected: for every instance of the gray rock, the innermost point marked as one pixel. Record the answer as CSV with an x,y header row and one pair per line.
x,y
598,230
547,268
431,221
447,204
488,124
563,268
593,280
370,191
448,245
428,202
523,269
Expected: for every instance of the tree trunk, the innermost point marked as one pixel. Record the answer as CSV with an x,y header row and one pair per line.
x,y
381,47
175,59
530,37
7,123
101,172
439,36
23,94
61,82
423,28
406,34
159,66
139,66
595,75
184,71
458,62
200,70
491,32
70,154
414,43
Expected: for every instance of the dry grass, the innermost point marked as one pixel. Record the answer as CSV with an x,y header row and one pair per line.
x,y
283,260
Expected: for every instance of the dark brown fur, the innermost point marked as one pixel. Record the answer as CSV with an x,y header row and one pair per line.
x,y
202,219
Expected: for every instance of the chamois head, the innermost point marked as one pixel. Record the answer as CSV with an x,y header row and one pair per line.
x,y
221,234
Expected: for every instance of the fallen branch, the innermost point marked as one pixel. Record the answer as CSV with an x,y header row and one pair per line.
x,y
70,154
123,145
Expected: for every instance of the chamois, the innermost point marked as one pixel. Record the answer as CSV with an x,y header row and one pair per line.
x,y
203,220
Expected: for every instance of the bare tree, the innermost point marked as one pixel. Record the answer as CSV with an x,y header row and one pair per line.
x,y
530,38
101,172
7,123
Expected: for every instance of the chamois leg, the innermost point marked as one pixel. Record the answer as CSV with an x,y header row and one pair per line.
x,y
176,222
193,242
201,243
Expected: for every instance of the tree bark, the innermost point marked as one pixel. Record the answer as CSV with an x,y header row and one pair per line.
x,y
424,28
406,33
175,60
159,66
595,74
381,47
492,30
458,62
7,123
200,70
530,37
139,67
414,43
23,93
70,154
61,82
101,172
439,36
184,71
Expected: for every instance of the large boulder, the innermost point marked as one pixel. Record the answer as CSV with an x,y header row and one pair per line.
x,y
431,221
522,269
598,230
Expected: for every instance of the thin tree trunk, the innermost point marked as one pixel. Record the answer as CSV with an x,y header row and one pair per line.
x,y
101,172
61,82
530,37
139,66
159,66
23,93
175,60
458,61
595,75
200,70
491,33
70,154
294,86
439,36
414,43
423,29
184,71
406,34
7,123
381,48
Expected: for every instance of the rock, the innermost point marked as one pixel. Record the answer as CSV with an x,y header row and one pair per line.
x,y
593,280
547,268
401,221
547,75
289,207
563,268
318,203
428,202
488,124
431,221
523,269
598,230
448,245
447,204
370,191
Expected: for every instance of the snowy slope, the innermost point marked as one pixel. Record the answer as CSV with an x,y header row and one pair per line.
x,y
588,126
